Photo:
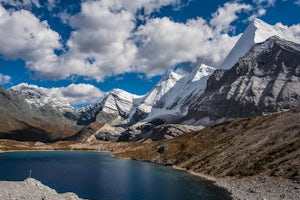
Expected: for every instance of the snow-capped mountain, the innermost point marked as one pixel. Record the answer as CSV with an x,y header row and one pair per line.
x,y
256,32
23,118
191,87
172,95
265,80
159,97
169,99
117,106
262,77
39,97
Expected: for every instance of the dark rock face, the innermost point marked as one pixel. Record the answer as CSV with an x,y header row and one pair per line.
x,y
153,131
162,132
137,116
266,80
89,115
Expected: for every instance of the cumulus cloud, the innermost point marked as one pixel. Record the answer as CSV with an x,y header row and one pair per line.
x,y
297,2
4,79
225,15
107,40
133,5
76,94
24,36
106,43
102,44
99,46
164,43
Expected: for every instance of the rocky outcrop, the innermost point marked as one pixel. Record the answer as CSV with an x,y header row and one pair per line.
x,y
31,189
88,115
266,80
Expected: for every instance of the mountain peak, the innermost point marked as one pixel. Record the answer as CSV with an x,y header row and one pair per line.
x,y
257,31
258,22
38,96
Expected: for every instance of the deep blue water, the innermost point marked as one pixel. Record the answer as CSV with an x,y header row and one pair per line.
x,y
98,176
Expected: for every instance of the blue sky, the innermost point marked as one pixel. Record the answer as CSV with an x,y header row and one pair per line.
x,y
90,47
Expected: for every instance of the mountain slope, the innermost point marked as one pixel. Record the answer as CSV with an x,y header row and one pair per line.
x,y
172,95
258,31
35,95
263,145
117,106
157,97
21,120
266,80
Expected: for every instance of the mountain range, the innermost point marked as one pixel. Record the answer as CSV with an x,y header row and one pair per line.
x,y
261,75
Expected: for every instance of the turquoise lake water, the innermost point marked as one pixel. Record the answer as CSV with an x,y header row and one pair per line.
x,y
98,176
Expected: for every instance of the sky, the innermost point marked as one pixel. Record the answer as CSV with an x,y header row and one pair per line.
x,y
81,49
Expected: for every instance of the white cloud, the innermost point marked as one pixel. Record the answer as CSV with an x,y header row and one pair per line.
x,y
164,43
297,2
133,5
225,15
259,13
265,2
51,4
261,8
21,3
106,41
76,94
99,46
4,79
64,16
24,36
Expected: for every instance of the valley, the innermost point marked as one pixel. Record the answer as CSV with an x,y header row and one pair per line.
x,y
237,125
261,153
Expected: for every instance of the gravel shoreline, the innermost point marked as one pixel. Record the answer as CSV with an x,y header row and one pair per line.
x,y
261,187
255,188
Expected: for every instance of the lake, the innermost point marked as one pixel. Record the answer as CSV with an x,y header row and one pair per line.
x,y
98,176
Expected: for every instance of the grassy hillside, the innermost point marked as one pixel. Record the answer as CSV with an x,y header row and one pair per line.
x,y
267,145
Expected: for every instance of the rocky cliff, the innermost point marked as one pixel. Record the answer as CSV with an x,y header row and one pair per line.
x,y
266,80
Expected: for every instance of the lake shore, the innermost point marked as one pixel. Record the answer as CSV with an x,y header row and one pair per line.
x,y
254,188
248,188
